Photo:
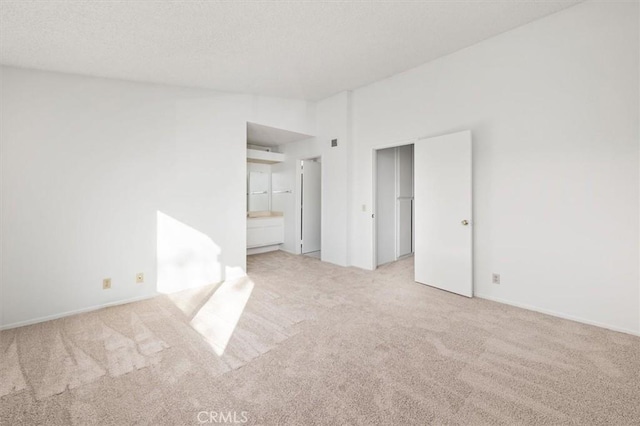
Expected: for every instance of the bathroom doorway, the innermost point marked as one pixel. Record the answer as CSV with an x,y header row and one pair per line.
x,y
311,207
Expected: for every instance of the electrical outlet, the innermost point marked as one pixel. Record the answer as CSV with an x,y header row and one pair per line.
x,y
106,283
139,277
495,278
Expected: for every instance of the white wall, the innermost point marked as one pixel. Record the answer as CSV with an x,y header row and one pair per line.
x,y
332,115
334,122
553,107
106,178
289,114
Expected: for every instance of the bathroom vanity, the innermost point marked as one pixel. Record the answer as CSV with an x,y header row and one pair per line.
x,y
265,230
265,227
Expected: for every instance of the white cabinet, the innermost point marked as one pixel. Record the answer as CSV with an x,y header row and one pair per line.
x,y
264,231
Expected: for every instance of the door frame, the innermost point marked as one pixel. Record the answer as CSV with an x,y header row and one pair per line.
x,y
298,202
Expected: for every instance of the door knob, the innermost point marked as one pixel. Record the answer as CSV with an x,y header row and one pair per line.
x,y
465,222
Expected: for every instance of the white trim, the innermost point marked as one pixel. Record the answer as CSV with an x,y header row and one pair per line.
x,y
397,143
76,311
289,251
374,210
262,249
297,219
557,314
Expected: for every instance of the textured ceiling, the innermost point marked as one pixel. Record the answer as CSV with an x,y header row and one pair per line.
x,y
294,49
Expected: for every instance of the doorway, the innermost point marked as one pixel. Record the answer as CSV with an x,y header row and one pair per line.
x,y
441,212
394,204
311,207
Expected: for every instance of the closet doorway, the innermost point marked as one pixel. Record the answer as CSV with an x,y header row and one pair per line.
x,y
394,218
434,177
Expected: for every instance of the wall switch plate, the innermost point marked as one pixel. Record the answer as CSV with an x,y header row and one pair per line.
x,y
495,278
139,277
364,207
106,283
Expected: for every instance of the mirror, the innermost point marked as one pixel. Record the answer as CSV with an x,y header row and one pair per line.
x,y
258,191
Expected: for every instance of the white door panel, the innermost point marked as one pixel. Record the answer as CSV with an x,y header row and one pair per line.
x,y
443,201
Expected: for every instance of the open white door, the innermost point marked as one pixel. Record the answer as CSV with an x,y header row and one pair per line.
x,y
443,208
311,207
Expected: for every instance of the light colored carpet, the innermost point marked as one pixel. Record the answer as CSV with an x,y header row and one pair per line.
x,y
316,254
303,343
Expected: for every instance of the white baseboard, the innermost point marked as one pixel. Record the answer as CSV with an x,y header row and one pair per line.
x,y
259,250
75,312
289,251
481,296
557,314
